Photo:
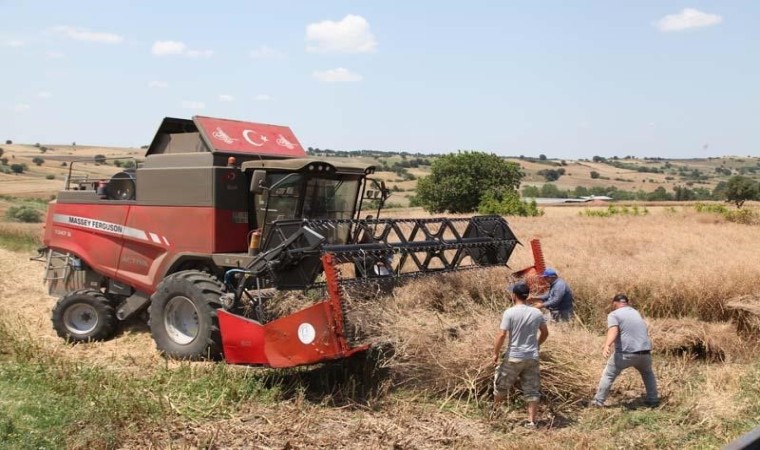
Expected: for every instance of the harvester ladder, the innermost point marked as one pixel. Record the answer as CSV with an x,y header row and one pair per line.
x,y
56,261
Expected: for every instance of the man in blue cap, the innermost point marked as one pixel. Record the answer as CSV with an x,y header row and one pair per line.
x,y
558,299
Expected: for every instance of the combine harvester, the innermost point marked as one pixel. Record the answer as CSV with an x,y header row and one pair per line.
x,y
219,217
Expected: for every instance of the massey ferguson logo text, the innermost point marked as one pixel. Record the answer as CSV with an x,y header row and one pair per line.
x,y
96,224
108,227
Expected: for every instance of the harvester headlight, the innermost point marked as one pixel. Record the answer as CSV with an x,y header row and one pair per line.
x,y
311,166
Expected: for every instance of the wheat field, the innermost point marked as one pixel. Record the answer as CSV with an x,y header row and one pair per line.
x,y
681,268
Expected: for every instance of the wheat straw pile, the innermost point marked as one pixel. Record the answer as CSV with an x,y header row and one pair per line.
x,y
712,341
442,329
745,313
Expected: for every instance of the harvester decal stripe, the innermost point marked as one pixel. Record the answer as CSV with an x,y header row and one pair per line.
x,y
155,238
99,225
135,233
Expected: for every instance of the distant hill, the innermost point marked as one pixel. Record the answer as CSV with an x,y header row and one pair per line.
x,y
624,174
47,166
400,170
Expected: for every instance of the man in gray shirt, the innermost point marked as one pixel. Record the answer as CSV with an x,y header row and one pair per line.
x,y
526,328
628,331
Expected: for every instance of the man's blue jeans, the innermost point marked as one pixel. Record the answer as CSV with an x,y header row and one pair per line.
x,y
621,361
561,315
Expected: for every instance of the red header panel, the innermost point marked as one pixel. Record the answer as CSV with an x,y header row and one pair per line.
x,y
246,137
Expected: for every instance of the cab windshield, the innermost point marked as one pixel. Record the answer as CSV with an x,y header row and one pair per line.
x,y
299,196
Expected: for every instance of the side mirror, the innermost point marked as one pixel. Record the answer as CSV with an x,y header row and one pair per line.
x,y
257,182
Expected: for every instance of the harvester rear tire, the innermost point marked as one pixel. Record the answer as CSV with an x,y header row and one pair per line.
x,y
183,320
84,315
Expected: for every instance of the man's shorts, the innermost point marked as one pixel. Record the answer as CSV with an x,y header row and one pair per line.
x,y
526,371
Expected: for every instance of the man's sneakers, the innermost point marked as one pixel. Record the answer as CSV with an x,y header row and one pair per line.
x,y
593,403
530,425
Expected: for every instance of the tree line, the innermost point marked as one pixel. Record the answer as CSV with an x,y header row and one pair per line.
x,y
466,182
738,189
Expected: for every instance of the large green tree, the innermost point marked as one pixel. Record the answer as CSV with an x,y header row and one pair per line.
x,y
739,189
458,182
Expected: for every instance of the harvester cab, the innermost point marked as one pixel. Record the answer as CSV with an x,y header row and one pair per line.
x,y
219,217
308,189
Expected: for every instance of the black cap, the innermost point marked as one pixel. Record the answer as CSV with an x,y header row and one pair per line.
x,y
622,298
521,289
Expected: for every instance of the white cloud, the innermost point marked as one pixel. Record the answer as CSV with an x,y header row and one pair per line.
x,y
81,34
44,94
193,104
339,75
350,35
688,18
226,98
55,55
21,107
262,98
166,48
265,52
14,43
162,48
158,84
199,53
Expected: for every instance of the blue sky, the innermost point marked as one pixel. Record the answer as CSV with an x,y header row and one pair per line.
x,y
566,79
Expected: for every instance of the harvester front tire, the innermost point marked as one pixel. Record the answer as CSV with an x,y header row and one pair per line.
x,y
84,315
183,320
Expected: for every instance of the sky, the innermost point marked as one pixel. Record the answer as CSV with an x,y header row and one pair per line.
x,y
646,78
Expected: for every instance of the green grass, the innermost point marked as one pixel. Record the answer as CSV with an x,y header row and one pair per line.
x,y
49,401
615,211
19,239
36,202
711,208
742,216
61,404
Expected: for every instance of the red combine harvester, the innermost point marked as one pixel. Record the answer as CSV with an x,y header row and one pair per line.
x,y
221,216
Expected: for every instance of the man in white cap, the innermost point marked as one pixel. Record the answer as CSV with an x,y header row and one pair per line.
x,y
558,299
